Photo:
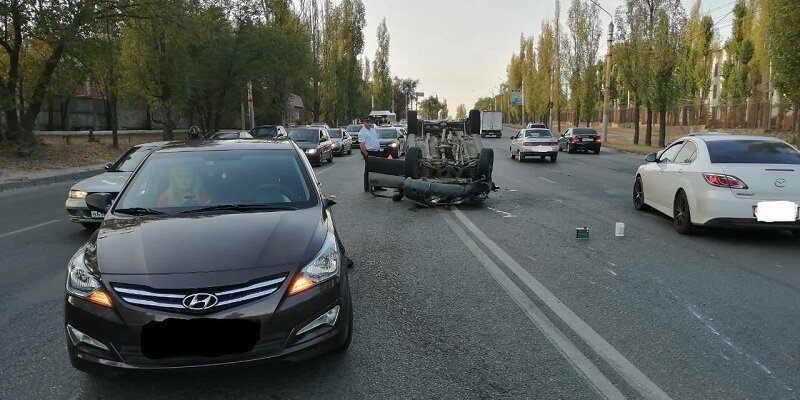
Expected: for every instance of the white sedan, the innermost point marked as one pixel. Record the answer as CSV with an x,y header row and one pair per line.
x,y
723,180
536,142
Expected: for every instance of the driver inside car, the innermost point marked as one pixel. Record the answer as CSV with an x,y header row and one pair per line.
x,y
184,189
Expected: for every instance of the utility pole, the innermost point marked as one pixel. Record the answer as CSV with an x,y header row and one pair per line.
x,y
607,94
250,109
550,103
523,102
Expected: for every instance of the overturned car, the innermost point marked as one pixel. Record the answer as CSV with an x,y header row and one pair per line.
x,y
445,163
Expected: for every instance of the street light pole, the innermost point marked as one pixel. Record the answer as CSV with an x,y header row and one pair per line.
x,y
607,94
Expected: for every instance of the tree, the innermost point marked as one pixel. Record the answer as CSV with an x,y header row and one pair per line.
x,y
52,28
430,107
381,76
696,59
154,55
461,111
404,92
584,43
664,85
444,113
785,35
736,70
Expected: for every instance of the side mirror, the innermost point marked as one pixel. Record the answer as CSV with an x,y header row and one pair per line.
x,y
108,166
651,157
327,203
98,201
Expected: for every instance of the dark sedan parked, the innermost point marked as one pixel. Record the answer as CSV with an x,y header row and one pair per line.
x,y
157,287
315,142
574,139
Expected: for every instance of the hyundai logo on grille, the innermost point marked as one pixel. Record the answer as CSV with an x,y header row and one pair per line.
x,y
780,182
200,301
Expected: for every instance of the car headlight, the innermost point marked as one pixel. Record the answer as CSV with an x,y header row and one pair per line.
x,y
77,194
324,266
311,151
82,283
393,145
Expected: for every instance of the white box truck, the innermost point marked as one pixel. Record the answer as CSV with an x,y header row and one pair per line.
x,y
491,123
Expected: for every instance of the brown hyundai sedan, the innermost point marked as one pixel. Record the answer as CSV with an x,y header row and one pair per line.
x,y
214,253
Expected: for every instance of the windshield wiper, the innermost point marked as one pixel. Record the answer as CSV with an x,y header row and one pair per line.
x,y
138,211
241,208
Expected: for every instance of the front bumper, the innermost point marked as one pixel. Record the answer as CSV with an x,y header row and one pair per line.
x,y
313,158
385,151
80,213
120,329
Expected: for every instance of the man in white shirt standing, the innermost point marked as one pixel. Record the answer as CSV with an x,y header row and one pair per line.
x,y
370,146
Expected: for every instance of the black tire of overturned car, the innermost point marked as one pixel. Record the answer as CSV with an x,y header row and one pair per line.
x,y
486,164
413,156
474,122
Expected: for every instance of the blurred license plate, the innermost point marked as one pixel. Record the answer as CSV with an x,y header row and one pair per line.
x,y
97,214
776,211
588,139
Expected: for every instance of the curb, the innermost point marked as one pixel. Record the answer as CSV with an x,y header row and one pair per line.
x,y
12,185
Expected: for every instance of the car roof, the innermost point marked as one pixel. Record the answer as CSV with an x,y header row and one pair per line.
x,y
152,144
722,136
248,144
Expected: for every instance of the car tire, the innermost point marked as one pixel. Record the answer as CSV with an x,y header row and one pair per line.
x,y
512,153
520,157
412,162
542,157
486,164
681,215
796,233
559,148
318,163
597,151
570,150
638,195
330,160
553,158
90,226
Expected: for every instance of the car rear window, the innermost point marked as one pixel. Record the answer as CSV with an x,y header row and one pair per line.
x,y
266,132
584,132
752,151
538,133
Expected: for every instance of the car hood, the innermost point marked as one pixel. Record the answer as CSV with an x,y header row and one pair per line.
x,y
208,243
307,145
108,182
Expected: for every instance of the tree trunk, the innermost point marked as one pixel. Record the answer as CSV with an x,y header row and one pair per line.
x,y
648,134
50,115
636,123
167,127
662,127
114,111
64,108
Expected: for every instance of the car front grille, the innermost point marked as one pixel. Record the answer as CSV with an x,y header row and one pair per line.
x,y
173,299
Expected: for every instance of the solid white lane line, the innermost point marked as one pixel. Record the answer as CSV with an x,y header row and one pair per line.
x,y
326,169
605,350
29,228
546,180
599,382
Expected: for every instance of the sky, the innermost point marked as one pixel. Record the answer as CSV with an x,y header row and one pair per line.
x,y
459,50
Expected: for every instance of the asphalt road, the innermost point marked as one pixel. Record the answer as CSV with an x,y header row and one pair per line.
x,y
491,301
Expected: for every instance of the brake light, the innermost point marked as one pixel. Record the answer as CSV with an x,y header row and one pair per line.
x,y
529,144
597,140
576,139
722,180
